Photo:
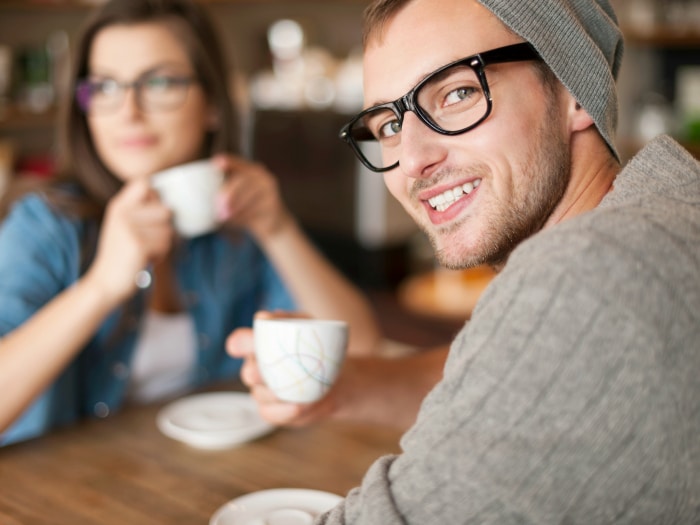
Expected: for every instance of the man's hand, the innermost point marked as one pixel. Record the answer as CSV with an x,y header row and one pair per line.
x,y
368,389
240,344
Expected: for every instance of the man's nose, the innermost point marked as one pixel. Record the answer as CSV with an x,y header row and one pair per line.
x,y
421,150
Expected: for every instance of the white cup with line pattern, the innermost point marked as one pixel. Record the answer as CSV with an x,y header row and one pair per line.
x,y
299,359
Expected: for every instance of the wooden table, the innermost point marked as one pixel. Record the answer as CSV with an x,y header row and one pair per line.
x,y
122,470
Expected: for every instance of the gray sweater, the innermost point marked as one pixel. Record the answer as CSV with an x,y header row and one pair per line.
x,y
573,395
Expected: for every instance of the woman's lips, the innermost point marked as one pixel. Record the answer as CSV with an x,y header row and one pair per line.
x,y
137,142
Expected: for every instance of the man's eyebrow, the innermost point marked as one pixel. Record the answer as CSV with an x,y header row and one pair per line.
x,y
375,104
418,80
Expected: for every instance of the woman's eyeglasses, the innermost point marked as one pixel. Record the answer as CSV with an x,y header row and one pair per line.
x,y
153,92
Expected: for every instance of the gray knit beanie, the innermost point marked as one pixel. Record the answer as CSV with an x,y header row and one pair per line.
x,y
581,43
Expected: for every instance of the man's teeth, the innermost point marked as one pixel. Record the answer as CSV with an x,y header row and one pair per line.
x,y
448,198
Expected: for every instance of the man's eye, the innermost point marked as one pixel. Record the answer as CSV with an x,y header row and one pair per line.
x,y
389,129
458,95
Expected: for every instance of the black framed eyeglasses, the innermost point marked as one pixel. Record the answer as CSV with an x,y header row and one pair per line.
x,y
154,91
451,100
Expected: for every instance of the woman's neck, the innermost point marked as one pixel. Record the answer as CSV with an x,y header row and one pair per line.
x,y
165,294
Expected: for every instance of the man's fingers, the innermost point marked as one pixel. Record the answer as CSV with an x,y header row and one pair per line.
x,y
240,343
250,373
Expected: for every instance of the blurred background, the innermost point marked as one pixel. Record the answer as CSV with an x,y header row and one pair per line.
x,y
299,80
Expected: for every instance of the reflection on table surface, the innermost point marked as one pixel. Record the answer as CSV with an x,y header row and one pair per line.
x,y
123,470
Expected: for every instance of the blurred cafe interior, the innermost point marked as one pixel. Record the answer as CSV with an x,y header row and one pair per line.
x,y
300,79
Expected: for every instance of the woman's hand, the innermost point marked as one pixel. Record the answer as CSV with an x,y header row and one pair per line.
x,y
136,231
250,197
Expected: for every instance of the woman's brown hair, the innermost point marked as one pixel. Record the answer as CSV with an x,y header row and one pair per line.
x,y
77,160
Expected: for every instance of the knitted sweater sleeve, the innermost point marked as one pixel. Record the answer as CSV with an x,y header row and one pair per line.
x,y
572,395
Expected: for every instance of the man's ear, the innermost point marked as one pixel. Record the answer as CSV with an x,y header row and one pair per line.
x,y
578,117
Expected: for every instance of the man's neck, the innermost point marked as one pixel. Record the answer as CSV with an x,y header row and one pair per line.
x,y
593,171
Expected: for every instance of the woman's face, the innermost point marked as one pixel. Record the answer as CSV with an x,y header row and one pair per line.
x,y
163,125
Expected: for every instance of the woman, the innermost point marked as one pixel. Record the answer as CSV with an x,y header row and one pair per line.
x,y
78,336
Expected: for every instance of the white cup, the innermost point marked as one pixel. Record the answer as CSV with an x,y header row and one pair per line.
x,y
189,190
299,359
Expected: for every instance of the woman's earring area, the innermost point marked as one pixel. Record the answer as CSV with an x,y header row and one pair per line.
x,y
213,121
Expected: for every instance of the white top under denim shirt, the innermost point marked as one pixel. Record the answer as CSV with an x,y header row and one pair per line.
x,y
225,281
163,358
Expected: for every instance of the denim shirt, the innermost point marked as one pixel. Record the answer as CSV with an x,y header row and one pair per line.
x,y
225,281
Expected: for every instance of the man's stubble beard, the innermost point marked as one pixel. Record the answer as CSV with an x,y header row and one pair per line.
x,y
546,173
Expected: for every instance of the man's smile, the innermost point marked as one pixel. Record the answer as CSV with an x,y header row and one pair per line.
x,y
447,198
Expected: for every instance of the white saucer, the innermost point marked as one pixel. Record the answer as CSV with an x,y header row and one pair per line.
x,y
215,420
294,506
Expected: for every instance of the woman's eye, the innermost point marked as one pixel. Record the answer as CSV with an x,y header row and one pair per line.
x,y
159,83
105,87
458,95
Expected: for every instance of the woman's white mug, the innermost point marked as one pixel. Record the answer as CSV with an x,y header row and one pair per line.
x,y
190,190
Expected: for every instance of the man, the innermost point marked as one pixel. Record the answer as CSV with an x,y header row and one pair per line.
x,y
572,395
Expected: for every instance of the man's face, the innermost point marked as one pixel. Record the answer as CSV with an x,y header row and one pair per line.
x,y
479,194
